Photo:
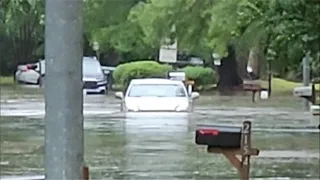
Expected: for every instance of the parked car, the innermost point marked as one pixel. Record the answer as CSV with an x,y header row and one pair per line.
x,y
95,81
30,73
156,94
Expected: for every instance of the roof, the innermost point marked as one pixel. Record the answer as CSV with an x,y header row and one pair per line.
x,y
155,81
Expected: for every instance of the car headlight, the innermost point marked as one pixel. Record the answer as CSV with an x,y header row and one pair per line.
x,y
102,78
182,107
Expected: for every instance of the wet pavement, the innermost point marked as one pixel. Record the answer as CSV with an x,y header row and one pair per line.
x,y
148,146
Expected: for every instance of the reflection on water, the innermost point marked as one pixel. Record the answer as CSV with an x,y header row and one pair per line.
x,y
161,146
139,149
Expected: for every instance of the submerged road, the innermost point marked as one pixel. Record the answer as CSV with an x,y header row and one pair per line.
x,y
161,146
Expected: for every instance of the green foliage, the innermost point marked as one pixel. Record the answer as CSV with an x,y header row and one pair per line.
x,y
139,69
281,30
190,18
21,32
146,69
106,21
201,76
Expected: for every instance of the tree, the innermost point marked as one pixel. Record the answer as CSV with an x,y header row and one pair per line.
x,y
198,27
283,31
23,32
106,21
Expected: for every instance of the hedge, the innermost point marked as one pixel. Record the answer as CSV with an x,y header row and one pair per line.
x,y
146,69
138,69
200,75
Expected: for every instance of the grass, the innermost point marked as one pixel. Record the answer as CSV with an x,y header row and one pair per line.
x,y
279,86
283,86
6,81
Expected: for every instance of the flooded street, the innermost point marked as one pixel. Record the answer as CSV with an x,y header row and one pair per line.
x,y
148,146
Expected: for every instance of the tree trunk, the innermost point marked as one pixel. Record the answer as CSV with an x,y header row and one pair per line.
x,y
112,57
229,80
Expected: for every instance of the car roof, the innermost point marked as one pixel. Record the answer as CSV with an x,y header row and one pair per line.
x,y
155,81
90,59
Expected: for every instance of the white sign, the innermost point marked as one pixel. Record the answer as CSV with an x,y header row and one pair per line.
x,y
168,53
95,46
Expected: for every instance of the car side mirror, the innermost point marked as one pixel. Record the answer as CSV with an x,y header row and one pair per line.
x,y
106,72
195,95
119,95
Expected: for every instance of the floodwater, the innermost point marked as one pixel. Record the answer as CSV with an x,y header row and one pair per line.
x,y
146,146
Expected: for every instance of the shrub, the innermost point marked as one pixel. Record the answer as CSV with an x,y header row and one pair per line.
x,y
147,69
139,69
200,75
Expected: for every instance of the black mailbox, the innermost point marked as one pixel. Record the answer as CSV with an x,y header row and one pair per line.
x,y
218,136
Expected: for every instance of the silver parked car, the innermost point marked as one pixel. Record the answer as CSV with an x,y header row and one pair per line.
x,y
156,95
94,78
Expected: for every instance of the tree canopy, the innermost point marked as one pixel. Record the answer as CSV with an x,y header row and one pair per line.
x,y
281,31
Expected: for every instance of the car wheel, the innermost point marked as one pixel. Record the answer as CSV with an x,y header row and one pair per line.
x,y
103,92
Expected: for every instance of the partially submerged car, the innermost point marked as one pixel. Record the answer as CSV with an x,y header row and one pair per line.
x,y
156,95
94,77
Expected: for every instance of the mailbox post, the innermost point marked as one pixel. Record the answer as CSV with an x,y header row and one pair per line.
x,y
306,92
245,150
239,143
254,86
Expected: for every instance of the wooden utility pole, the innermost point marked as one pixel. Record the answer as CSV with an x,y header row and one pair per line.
x,y
63,90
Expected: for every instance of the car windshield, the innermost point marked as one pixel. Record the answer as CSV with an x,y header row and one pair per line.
x,y
157,90
91,67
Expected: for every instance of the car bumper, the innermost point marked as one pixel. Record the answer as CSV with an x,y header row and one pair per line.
x,y
153,121
96,90
94,87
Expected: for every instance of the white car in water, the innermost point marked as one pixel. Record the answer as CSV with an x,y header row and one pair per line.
x,y
32,73
94,79
156,95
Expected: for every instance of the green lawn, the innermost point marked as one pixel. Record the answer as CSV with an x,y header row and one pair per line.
x,y
6,81
279,86
283,86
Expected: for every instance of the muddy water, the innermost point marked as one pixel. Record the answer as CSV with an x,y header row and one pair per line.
x,y
162,146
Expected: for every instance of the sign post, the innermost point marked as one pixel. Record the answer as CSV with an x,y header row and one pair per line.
x,y
96,48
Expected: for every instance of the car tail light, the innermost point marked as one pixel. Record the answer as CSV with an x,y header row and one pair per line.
x,y
29,67
26,69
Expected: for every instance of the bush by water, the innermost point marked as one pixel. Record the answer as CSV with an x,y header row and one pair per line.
x,y
124,73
